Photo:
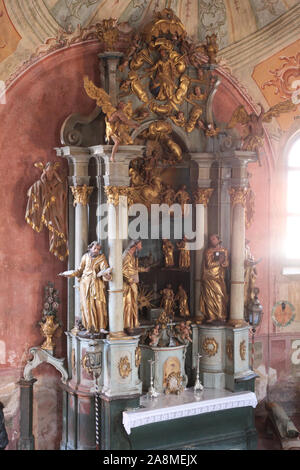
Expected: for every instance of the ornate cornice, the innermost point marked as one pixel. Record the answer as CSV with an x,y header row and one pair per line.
x,y
113,194
202,196
238,196
81,194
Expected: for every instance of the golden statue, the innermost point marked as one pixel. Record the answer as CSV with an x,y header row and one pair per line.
x,y
194,116
92,273
197,95
167,301
131,271
184,254
253,137
213,296
118,119
168,196
47,206
179,119
168,251
182,197
160,131
182,299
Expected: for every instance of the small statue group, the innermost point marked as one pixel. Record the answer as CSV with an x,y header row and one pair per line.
x,y
184,254
166,334
169,301
183,332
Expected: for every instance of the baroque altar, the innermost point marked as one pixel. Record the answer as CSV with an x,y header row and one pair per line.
x,y
147,286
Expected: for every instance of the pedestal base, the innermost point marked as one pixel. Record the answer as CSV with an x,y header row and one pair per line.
x,y
225,355
120,367
167,360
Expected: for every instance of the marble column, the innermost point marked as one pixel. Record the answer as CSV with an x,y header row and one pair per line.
x,y
116,183
109,62
238,202
201,196
78,160
238,196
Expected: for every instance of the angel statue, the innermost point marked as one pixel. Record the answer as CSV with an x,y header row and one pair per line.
x,y
47,207
118,118
253,138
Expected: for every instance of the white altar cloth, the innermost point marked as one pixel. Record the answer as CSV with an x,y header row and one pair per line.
x,y
166,407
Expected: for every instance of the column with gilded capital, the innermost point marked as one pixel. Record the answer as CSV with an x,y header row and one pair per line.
x,y
78,160
201,196
116,185
238,197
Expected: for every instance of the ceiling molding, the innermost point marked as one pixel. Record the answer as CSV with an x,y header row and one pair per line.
x,y
264,43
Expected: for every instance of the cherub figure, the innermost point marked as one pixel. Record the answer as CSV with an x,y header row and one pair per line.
x,y
253,123
132,49
179,119
197,95
118,119
183,331
154,336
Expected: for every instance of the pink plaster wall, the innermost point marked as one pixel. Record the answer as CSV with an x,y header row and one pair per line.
x,y
36,106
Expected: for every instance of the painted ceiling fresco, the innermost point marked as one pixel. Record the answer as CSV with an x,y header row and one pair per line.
x,y
27,25
231,19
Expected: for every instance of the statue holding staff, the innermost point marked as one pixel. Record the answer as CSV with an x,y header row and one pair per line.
x,y
92,274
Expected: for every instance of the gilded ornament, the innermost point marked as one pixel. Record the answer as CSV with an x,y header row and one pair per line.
x,y
243,350
250,208
202,196
81,194
113,194
210,346
124,367
229,349
131,271
238,196
213,296
108,33
49,324
168,300
92,274
168,251
184,255
84,363
183,304
48,328
252,124
118,118
47,207
174,383
138,356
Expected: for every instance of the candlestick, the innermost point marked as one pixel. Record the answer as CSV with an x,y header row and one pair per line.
x,y
198,387
152,393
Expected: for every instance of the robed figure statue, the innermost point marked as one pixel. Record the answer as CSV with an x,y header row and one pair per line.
x,y
213,296
92,273
131,271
